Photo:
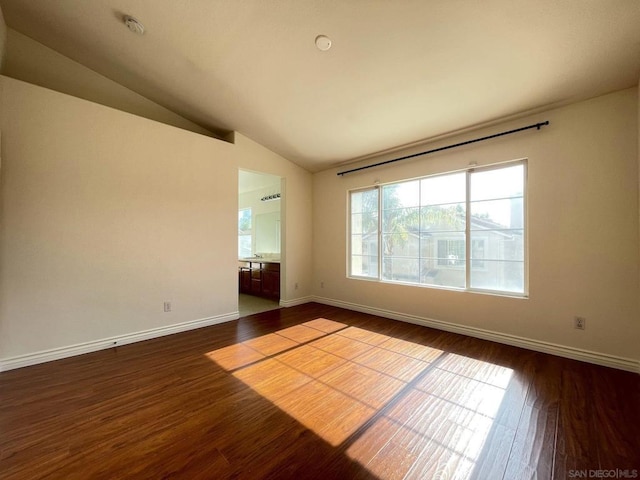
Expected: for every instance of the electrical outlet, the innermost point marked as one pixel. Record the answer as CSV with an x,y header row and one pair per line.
x,y
580,323
167,306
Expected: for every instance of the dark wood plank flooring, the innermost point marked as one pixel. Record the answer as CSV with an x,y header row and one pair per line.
x,y
317,392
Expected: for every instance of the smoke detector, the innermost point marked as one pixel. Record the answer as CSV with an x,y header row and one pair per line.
x,y
134,25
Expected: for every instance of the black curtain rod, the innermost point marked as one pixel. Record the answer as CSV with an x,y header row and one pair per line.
x,y
537,125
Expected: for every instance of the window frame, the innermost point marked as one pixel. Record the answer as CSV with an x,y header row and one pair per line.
x,y
245,234
468,261
351,234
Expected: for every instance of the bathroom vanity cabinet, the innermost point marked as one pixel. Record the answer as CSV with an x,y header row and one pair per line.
x,y
259,277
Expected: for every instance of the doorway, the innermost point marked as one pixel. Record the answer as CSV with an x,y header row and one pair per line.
x,y
259,242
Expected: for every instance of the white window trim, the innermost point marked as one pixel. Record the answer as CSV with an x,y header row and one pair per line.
x,y
468,289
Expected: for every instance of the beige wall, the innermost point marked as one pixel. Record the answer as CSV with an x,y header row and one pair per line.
x,y
583,230
106,215
295,212
32,62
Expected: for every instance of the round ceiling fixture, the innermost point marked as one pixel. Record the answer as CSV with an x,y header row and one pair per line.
x,y
323,43
134,25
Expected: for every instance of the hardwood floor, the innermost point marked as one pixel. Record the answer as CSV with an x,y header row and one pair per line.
x,y
318,392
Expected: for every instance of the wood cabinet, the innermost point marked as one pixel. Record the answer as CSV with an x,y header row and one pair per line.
x,y
271,280
260,278
244,279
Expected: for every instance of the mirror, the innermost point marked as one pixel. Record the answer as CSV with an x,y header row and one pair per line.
x,y
267,232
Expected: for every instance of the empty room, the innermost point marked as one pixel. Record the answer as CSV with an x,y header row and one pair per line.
x,y
304,239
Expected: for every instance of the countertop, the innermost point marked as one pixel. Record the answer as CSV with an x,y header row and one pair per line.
x,y
258,260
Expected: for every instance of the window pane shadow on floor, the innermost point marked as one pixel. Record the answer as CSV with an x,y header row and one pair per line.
x,y
399,408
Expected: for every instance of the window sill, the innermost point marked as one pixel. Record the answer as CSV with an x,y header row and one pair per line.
x,y
493,293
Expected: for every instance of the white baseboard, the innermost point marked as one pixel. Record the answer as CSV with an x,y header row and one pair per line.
x,y
119,340
530,344
516,341
296,301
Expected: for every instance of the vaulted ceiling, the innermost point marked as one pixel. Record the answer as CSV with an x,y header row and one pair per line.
x,y
398,71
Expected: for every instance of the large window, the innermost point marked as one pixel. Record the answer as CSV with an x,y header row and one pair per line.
x,y
244,233
463,230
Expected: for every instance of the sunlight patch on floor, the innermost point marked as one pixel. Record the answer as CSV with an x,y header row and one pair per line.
x,y
329,376
439,426
437,408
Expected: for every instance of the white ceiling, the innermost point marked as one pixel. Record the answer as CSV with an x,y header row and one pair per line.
x,y
399,71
